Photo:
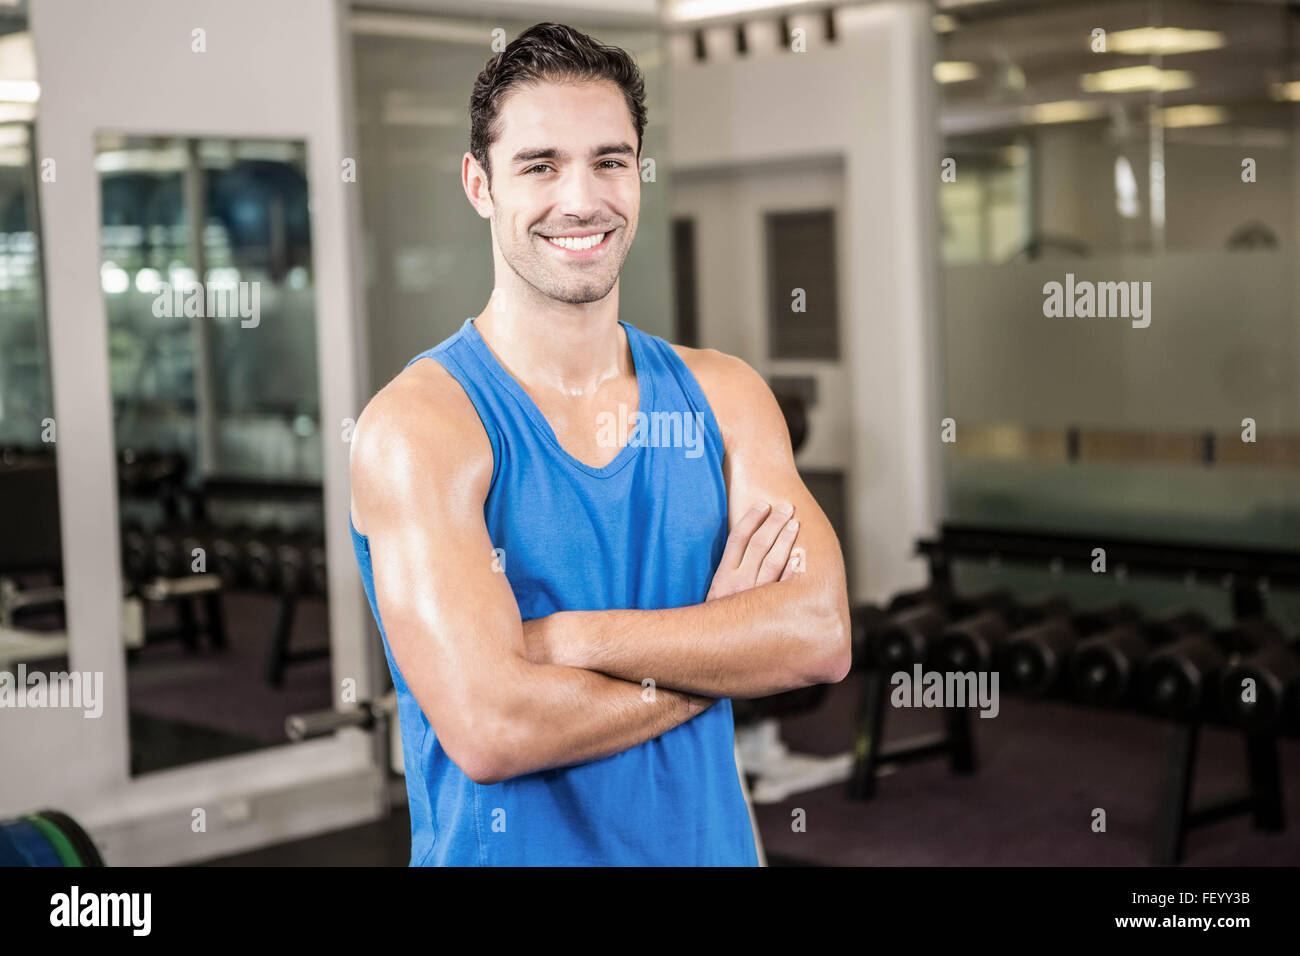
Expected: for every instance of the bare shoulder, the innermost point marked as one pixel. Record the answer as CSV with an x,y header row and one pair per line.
x,y
419,428
741,400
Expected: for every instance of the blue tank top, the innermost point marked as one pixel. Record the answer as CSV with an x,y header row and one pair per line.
x,y
645,531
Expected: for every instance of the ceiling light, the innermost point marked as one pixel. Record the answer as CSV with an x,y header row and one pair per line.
x,y
1132,78
688,11
1287,91
1194,115
1062,111
955,71
19,91
17,112
1163,41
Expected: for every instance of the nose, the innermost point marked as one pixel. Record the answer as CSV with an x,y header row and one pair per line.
x,y
578,194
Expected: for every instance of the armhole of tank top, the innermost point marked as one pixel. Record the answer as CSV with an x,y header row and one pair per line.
x,y
455,370
478,824
421,754
694,391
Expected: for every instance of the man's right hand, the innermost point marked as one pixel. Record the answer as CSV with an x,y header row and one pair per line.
x,y
757,551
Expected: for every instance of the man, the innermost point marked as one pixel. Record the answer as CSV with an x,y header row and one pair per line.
x,y
540,516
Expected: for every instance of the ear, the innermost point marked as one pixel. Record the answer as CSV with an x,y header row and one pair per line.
x,y
475,181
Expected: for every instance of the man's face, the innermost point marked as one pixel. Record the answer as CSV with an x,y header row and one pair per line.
x,y
565,166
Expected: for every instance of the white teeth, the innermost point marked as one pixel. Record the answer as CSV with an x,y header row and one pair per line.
x,y
570,242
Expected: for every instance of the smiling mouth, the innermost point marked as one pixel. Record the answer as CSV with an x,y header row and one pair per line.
x,y
578,243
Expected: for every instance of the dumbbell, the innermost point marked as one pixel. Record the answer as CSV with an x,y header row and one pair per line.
x,y
1275,672
1096,620
317,569
300,562
895,637
261,563
167,557
129,469
1104,666
174,547
21,456
906,636
914,621
46,838
1035,658
226,557
139,473
137,552
975,641
905,599
1180,680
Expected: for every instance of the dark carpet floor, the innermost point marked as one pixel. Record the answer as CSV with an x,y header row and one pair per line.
x,y
189,705
1043,770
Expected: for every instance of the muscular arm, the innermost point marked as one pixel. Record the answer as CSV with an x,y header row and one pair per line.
x,y
785,634
421,465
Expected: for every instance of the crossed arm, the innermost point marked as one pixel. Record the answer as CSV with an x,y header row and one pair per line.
x,y
745,640
507,697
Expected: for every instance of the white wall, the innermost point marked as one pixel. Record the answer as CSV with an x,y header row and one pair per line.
x,y
729,208
273,68
868,99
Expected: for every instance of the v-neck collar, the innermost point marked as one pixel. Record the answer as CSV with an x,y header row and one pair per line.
x,y
645,396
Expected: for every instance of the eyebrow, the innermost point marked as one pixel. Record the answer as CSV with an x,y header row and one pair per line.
x,y
550,152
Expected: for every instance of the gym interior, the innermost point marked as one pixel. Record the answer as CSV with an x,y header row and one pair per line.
x,y
1020,275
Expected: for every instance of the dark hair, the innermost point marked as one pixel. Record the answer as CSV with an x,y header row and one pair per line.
x,y
549,51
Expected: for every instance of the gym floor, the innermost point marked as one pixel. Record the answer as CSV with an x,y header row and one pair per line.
x,y
1044,768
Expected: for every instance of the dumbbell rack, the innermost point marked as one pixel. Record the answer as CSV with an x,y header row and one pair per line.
x,y
227,488
954,741
1247,573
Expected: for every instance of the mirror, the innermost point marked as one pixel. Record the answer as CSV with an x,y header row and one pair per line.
x,y
206,269
33,635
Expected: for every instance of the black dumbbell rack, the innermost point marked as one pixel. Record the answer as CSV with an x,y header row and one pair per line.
x,y
1247,573
227,488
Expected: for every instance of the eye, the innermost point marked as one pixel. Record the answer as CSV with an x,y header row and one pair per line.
x,y
529,170
613,162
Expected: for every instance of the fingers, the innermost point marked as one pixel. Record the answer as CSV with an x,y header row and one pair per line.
x,y
794,565
760,543
734,551
778,558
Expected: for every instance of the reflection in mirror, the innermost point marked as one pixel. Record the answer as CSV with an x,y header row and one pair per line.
x,y
33,637
207,278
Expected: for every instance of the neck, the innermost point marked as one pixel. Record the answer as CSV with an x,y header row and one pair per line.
x,y
552,345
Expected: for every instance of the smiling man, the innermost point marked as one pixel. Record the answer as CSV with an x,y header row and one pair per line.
x,y
566,616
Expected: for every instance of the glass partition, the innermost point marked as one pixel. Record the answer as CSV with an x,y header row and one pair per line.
x,y
1119,299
